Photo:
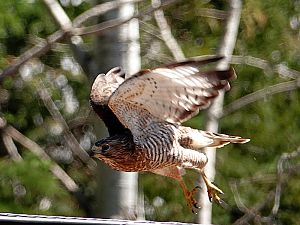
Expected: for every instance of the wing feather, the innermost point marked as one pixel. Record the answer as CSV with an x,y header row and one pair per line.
x,y
174,93
103,87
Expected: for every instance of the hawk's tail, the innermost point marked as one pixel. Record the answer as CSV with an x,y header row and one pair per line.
x,y
198,139
220,140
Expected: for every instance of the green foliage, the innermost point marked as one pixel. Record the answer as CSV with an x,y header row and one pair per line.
x,y
29,187
18,19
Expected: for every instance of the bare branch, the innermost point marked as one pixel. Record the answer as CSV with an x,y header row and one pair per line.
x,y
281,69
67,181
281,179
104,26
65,23
212,13
99,10
11,147
36,51
252,212
231,32
58,46
241,206
59,14
69,137
166,33
44,46
257,95
257,178
150,29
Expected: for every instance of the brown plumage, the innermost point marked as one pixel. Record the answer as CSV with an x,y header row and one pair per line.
x,y
143,114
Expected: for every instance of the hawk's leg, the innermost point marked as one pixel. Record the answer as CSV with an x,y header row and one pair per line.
x,y
176,173
197,139
196,160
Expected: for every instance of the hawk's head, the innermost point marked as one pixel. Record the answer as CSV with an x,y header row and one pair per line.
x,y
105,84
114,150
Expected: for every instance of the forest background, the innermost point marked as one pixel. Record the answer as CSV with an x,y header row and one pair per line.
x,y
46,120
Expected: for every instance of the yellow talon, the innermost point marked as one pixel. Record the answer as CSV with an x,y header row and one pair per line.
x,y
212,190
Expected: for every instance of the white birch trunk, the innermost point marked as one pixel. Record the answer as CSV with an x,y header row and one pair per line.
x,y
212,124
117,191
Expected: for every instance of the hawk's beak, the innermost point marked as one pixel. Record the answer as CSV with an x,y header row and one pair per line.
x,y
90,152
93,151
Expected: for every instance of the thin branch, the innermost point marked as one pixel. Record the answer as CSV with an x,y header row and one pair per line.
x,y
65,23
212,13
260,178
11,148
57,47
231,31
44,46
281,69
263,64
36,51
253,212
257,95
166,33
104,26
67,181
249,212
69,137
150,29
160,59
241,206
280,178
59,15
99,10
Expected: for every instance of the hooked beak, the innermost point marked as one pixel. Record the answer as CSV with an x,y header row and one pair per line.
x,y
93,151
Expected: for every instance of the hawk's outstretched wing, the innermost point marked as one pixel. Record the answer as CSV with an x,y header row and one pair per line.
x,y
103,87
173,93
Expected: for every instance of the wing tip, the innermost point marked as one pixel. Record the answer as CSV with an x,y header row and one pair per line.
x,y
228,74
200,60
116,71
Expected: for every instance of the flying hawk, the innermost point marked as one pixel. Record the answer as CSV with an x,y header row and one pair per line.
x,y
143,114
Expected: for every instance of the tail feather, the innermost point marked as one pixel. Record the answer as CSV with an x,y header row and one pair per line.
x,y
220,140
198,139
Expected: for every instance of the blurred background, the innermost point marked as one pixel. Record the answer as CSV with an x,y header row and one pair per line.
x,y
50,52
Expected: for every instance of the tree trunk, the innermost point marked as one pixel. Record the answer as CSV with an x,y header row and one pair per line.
x,y
117,191
212,124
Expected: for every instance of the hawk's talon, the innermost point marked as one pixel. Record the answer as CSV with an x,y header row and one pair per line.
x,y
195,211
212,190
213,193
197,206
191,202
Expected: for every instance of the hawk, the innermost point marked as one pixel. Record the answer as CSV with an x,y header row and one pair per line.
x,y
143,114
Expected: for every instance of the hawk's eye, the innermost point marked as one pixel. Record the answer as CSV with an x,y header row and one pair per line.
x,y
105,147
